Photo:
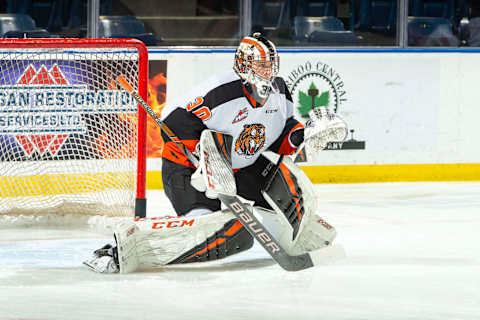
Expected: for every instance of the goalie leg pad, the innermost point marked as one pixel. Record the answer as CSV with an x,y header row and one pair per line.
x,y
229,240
295,222
156,242
286,196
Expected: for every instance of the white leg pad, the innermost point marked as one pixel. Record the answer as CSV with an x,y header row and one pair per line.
x,y
152,243
126,234
314,234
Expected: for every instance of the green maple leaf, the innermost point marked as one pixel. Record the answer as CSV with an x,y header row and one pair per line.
x,y
305,101
322,100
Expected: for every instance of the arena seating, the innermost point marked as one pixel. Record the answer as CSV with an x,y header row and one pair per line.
x,y
13,25
431,32
125,27
470,32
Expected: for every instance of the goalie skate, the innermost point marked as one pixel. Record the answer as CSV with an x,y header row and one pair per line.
x,y
104,260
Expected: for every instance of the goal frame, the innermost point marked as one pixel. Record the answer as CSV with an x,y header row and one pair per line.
x,y
140,202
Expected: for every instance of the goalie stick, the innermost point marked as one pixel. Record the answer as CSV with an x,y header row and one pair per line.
x,y
240,210
129,88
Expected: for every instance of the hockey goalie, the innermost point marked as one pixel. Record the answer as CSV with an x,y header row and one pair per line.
x,y
241,184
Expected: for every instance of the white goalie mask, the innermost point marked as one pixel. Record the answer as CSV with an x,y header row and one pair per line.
x,y
257,63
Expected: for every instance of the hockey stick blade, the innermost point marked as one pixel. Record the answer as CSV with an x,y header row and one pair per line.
x,y
243,213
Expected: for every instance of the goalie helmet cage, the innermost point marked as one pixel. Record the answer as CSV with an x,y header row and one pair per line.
x,y
70,140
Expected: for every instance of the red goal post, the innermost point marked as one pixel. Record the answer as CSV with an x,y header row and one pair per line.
x,y
71,141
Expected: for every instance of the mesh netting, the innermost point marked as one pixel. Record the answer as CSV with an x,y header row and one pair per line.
x,y
68,137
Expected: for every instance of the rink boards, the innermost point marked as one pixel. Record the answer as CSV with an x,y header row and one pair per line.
x,y
412,113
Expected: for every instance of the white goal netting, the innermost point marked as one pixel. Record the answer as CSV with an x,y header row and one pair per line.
x,y
69,138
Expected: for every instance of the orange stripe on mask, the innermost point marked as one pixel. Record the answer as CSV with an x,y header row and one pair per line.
x,y
258,46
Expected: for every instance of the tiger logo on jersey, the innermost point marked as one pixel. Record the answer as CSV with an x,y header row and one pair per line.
x,y
250,140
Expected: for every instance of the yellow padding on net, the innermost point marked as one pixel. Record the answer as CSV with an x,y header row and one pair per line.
x,y
54,184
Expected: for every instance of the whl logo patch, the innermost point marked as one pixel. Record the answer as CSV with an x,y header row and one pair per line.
x,y
242,115
43,108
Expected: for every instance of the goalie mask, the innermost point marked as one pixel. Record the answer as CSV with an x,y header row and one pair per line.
x,y
257,64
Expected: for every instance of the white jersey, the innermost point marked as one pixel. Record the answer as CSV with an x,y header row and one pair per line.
x,y
222,104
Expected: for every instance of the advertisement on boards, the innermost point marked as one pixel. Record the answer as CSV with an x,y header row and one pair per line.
x,y
157,96
46,112
312,84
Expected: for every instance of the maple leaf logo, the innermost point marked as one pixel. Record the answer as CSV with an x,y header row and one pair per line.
x,y
311,99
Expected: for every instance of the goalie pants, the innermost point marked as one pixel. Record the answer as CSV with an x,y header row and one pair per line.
x,y
184,197
233,237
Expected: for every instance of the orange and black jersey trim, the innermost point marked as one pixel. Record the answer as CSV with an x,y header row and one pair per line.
x,y
187,128
290,139
235,89
188,122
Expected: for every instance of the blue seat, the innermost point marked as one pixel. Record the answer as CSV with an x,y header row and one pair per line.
x,y
125,27
111,25
13,25
304,26
16,22
431,32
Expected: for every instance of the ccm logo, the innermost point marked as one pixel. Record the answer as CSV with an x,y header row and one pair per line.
x,y
172,224
252,225
208,171
324,223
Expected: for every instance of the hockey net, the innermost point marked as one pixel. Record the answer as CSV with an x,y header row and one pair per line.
x,y
71,142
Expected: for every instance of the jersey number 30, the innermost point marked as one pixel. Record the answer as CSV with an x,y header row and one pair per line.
x,y
203,112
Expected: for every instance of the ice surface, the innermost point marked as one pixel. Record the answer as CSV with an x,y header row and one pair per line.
x,y
413,252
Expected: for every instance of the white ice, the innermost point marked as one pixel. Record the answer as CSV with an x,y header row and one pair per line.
x,y
413,252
